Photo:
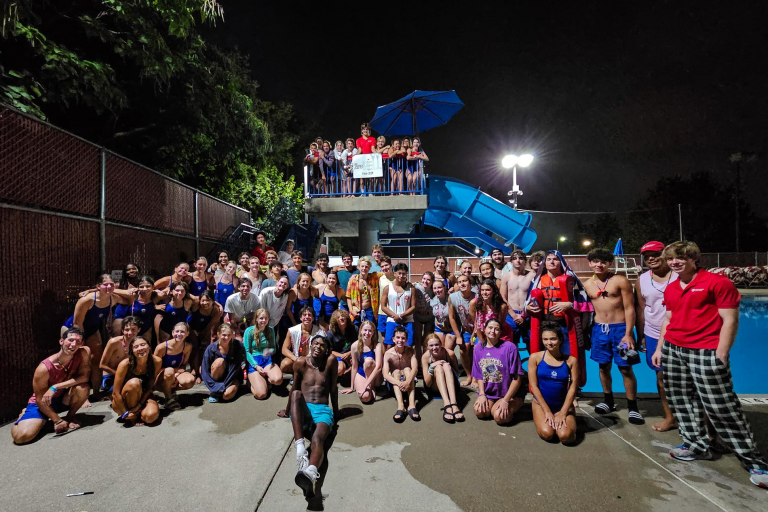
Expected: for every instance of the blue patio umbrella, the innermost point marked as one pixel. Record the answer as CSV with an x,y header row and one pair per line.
x,y
417,112
619,249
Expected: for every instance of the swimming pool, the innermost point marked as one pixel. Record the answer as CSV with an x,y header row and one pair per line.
x,y
748,351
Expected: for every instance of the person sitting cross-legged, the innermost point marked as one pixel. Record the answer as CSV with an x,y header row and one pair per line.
x,y
135,380
60,383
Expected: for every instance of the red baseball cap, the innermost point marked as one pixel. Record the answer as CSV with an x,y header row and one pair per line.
x,y
652,246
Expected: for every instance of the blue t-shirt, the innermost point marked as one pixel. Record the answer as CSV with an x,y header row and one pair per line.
x,y
496,367
344,277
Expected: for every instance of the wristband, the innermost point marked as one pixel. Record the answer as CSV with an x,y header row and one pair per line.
x,y
480,395
54,389
126,413
59,422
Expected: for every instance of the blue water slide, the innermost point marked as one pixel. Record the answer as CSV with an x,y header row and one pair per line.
x,y
458,206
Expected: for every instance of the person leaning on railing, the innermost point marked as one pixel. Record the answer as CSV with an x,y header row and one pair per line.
x,y
328,168
413,174
316,177
348,186
383,148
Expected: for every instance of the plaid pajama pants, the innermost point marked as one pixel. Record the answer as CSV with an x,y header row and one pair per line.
x,y
697,383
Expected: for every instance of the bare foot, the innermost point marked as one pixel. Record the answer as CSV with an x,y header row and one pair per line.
x,y
198,381
665,425
282,413
467,382
73,425
87,404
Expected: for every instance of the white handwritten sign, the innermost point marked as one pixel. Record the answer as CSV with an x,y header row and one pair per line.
x,y
367,166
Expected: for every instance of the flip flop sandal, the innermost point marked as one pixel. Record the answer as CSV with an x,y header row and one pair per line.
x,y
172,405
399,416
414,414
448,417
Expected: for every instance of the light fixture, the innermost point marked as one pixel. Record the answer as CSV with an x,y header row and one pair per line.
x,y
525,160
509,161
477,250
586,243
563,239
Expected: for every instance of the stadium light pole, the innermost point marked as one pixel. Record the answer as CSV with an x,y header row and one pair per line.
x,y
511,162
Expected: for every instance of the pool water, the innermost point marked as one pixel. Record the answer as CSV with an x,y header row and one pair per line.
x,y
747,353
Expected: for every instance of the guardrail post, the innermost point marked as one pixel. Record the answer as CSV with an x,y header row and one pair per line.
x,y
197,225
103,211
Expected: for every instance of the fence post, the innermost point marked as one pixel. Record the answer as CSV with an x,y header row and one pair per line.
x,y
718,260
197,226
103,211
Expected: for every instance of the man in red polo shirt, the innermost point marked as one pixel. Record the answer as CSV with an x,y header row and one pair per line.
x,y
365,143
698,332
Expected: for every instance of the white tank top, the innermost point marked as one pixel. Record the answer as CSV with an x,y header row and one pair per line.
x,y
295,332
653,293
462,308
398,302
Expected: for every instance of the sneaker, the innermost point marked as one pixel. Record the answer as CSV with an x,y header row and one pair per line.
x,y
306,479
302,463
759,477
684,452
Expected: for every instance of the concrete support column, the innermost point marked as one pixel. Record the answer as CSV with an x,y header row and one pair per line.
x,y
367,236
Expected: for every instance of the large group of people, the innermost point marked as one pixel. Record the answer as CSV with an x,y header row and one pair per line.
x,y
365,329
330,170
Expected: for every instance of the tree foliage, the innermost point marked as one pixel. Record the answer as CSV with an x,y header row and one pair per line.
x,y
138,77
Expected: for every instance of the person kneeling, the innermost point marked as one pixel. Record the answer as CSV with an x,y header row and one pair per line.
x,y
497,370
260,344
223,364
554,378
54,392
134,381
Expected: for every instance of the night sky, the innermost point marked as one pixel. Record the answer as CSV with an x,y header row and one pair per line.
x,y
608,98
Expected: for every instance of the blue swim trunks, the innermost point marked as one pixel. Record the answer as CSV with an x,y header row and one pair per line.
x,y
33,412
366,314
107,382
650,348
383,324
520,331
321,413
391,332
606,339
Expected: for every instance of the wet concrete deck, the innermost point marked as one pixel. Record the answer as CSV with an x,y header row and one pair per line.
x,y
237,457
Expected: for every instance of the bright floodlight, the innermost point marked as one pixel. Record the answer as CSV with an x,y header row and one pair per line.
x,y
563,239
525,160
509,161
477,250
586,243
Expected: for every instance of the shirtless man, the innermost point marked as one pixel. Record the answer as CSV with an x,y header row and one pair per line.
x,y
514,290
321,269
363,293
314,384
462,324
117,350
53,392
614,304
400,366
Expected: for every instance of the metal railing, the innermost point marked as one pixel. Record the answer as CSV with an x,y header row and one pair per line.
x,y
399,177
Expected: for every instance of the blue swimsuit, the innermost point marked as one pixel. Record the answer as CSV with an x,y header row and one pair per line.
x,y
553,384
223,291
173,361
361,360
94,318
327,306
172,316
197,288
198,321
146,312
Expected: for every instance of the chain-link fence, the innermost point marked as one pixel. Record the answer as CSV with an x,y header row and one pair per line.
x,y
69,210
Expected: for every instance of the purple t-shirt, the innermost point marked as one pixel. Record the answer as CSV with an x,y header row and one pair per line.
x,y
496,366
